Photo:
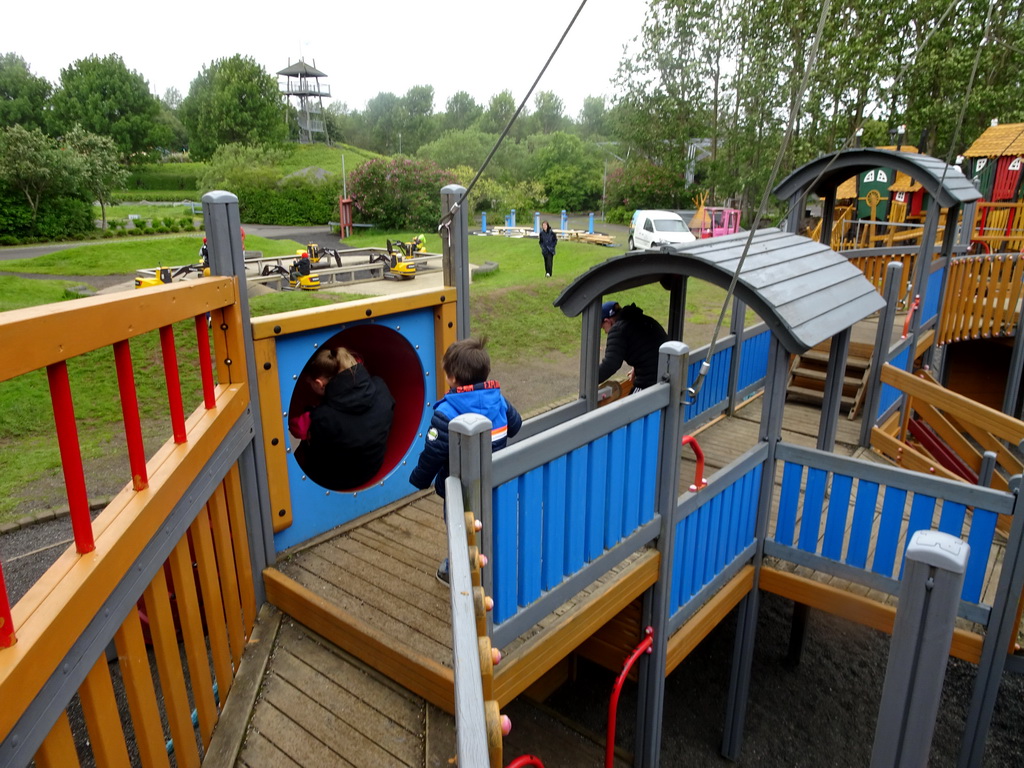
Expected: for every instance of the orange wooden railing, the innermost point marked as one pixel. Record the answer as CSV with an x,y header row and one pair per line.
x,y
982,298
157,566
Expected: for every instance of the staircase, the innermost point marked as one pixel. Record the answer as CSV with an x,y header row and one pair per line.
x,y
807,373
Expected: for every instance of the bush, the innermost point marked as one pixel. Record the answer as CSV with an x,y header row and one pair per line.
x,y
399,193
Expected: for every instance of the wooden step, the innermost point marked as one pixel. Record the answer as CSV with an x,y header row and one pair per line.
x,y
812,373
817,356
816,395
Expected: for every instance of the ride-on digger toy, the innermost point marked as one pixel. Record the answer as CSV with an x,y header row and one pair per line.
x,y
399,258
164,275
299,274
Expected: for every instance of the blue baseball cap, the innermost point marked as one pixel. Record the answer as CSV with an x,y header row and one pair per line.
x,y
608,309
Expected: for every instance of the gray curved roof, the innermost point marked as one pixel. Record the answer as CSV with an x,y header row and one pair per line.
x,y
803,290
945,183
301,69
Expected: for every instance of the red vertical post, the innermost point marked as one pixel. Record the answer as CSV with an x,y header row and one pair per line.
x,y
7,636
70,456
130,413
205,361
170,356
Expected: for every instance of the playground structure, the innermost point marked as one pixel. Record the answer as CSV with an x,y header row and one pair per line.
x,y
585,518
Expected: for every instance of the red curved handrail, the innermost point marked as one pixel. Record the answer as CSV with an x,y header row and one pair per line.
x,y
910,315
699,481
613,705
526,760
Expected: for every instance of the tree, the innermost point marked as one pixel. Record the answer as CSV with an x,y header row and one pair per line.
x,y
232,101
104,97
499,111
593,117
570,172
461,111
399,193
384,120
549,111
416,125
31,163
100,171
23,96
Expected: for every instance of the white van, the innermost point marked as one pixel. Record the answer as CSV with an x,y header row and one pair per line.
x,y
651,229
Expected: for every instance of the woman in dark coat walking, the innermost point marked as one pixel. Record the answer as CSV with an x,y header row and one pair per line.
x,y
548,241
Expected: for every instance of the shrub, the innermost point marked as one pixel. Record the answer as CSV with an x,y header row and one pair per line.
x,y
399,193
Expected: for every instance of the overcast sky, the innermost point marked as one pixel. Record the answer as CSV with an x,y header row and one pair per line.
x,y
479,46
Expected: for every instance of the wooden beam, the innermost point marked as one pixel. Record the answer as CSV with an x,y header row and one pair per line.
x,y
862,610
418,673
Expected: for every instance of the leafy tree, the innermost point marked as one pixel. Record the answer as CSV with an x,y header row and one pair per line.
x,y
23,96
461,111
570,173
384,118
417,127
31,163
104,97
549,112
100,171
399,193
593,117
233,100
499,111
456,148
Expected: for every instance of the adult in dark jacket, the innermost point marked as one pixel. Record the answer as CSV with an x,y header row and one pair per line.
x,y
348,432
548,241
633,337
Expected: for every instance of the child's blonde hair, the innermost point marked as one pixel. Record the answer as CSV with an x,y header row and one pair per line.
x,y
328,363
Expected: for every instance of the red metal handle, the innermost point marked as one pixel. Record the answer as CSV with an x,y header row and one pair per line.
x,y
910,315
613,705
699,481
526,760
7,637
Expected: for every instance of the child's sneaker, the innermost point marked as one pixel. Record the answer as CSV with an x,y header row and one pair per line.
x,y
442,573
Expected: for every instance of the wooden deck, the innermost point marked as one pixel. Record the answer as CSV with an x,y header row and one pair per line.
x,y
368,678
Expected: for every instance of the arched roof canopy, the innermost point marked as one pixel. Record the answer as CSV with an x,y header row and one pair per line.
x,y
804,291
945,183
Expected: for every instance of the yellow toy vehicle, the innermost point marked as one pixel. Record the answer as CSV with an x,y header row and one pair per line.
x,y
398,259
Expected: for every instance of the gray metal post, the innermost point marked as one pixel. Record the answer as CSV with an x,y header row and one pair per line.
x,y
737,327
651,702
886,317
590,354
223,235
469,459
835,380
770,432
1012,392
933,577
922,269
454,231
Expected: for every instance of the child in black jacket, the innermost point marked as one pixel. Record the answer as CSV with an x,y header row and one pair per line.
x,y
346,436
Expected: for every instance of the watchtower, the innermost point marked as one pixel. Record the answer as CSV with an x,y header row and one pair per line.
x,y
303,82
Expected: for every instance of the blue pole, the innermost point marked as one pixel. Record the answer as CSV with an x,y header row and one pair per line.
x,y
536,221
508,220
590,228
483,222
513,218
565,220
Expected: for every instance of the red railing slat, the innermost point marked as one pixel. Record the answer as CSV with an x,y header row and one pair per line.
x,y
173,383
205,361
7,636
70,456
130,412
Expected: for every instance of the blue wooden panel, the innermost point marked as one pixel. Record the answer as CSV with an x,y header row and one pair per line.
x,y
922,512
714,515
889,527
703,545
576,511
753,500
835,522
737,513
597,497
890,394
789,499
504,540
678,556
531,495
615,471
633,479
648,486
716,384
983,528
754,359
554,541
930,308
951,520
863,519
814,502
690,563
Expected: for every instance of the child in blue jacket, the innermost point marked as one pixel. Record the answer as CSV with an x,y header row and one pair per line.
x,y
466,367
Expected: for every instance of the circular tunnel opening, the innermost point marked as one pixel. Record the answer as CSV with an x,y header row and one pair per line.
x,y
389,355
